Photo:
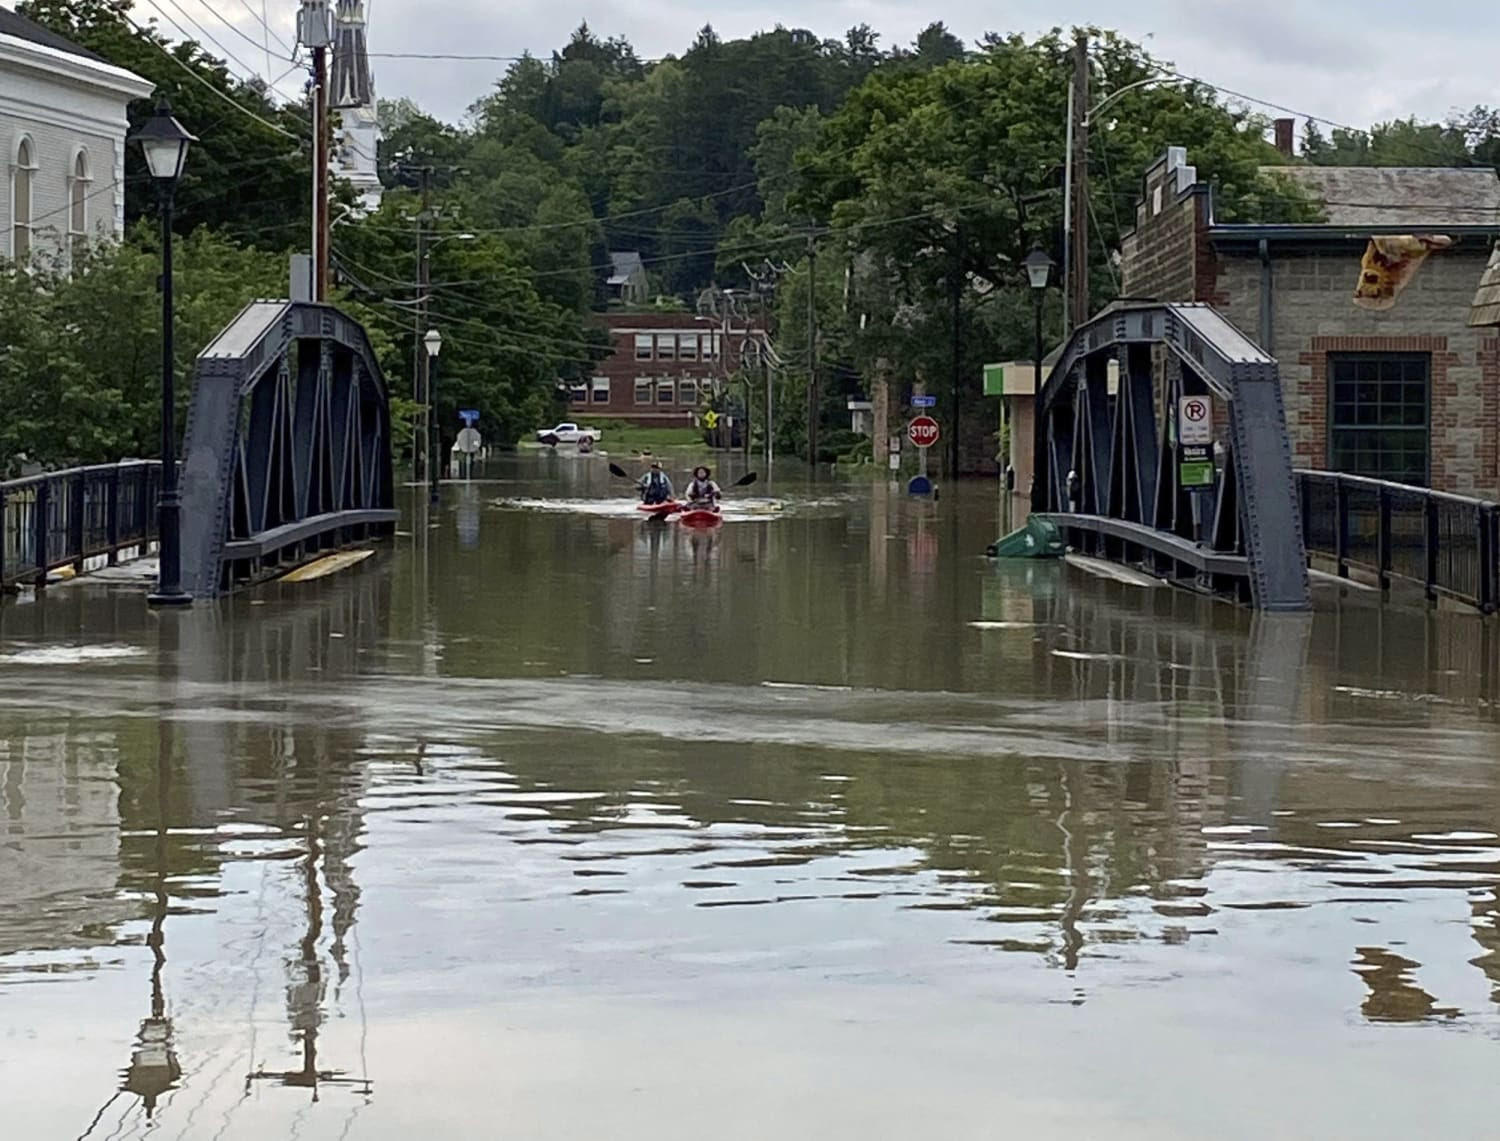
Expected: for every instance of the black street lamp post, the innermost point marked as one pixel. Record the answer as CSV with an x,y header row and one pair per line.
x,y
165,143
433,343
1038,273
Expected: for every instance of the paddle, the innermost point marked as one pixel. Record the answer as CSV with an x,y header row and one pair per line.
x,y
745,480
618,472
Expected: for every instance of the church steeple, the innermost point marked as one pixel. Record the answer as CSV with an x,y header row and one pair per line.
x,y
351,83
352,94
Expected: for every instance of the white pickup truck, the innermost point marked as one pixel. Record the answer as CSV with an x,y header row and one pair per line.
x,y
567,433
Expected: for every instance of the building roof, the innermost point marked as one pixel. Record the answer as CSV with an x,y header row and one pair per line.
x,y
14,24
625,265
1420,198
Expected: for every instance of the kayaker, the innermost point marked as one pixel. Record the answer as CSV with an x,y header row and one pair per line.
x,y
703,490
654,486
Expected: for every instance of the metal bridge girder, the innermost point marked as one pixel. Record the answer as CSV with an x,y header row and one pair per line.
x,y
1106,462
288,444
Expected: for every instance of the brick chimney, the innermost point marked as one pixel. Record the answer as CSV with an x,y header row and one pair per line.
x,y
1286,129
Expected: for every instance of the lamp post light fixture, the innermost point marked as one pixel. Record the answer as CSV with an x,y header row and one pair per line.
x,y
433,343
164,142
1038,268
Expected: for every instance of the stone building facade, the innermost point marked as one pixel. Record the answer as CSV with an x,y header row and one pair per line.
x,y
63,127
1411,393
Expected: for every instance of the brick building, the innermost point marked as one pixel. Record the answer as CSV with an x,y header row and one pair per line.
x,y
665,367
1411,393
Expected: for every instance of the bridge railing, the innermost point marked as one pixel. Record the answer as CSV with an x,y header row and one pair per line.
x,y
1447,544
64,518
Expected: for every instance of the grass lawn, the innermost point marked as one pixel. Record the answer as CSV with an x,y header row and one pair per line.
x,y
621,439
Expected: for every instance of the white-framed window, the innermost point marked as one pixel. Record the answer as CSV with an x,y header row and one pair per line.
x,y
22,182
644,388
687,347
666,346
643,343
79,179
600,387
666,391
710,346
687,390
578,393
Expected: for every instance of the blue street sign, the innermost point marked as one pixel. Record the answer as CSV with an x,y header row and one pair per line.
x,y
469,415
924,401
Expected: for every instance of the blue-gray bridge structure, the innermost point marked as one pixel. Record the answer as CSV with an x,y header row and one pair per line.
x,y
1108,460
287,453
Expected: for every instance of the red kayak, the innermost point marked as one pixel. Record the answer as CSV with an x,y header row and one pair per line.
x,y
701,517
659,510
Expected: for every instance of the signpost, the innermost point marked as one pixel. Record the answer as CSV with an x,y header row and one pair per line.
x,y
1195,450
469,441
923,431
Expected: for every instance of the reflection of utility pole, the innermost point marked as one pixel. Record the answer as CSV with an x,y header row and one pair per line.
x,y
814,407
305,996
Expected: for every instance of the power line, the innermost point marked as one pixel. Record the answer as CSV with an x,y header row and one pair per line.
x,y
192,71
260,18
204,34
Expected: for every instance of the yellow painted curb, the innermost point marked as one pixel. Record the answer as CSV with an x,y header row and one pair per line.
x,y
327,565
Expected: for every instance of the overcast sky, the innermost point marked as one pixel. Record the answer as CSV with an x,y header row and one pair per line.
x,y
1352,61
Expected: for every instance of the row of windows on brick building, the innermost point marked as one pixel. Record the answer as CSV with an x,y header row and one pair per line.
x,y
23,221
677,346
686,392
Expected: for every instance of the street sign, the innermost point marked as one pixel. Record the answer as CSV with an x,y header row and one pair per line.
x,y
923,431
994,380
1195,466
469,441
469,416
1195,426
920,401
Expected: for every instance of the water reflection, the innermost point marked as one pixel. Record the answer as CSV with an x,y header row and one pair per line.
x,y
552,762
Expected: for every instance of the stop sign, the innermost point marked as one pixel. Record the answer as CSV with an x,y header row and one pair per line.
x,y
923,431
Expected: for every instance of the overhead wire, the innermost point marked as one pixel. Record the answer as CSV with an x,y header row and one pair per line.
x,y
199,78
205,35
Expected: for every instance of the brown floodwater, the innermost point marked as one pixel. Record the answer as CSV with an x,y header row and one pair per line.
x,y
546,822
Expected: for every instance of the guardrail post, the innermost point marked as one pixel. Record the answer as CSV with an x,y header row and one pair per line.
x,y
1488,517
1341,527
39,525
112,515
1430,529
77,524
1383,539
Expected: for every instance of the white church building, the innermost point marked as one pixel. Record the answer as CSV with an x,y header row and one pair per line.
x,y
62,127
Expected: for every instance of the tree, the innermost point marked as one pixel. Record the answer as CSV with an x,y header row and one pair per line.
x,y
249,173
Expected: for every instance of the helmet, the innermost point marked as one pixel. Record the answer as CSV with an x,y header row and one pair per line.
x,y
656,465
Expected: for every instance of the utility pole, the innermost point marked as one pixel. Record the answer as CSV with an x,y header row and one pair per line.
x,y
957,292
421,377
315,32
813,404
1077,254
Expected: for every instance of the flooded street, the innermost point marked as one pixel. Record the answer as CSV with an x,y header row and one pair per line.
x,y
548,822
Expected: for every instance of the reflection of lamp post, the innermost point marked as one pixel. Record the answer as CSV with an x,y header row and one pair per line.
x,y
153,1065
165,144
433,343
